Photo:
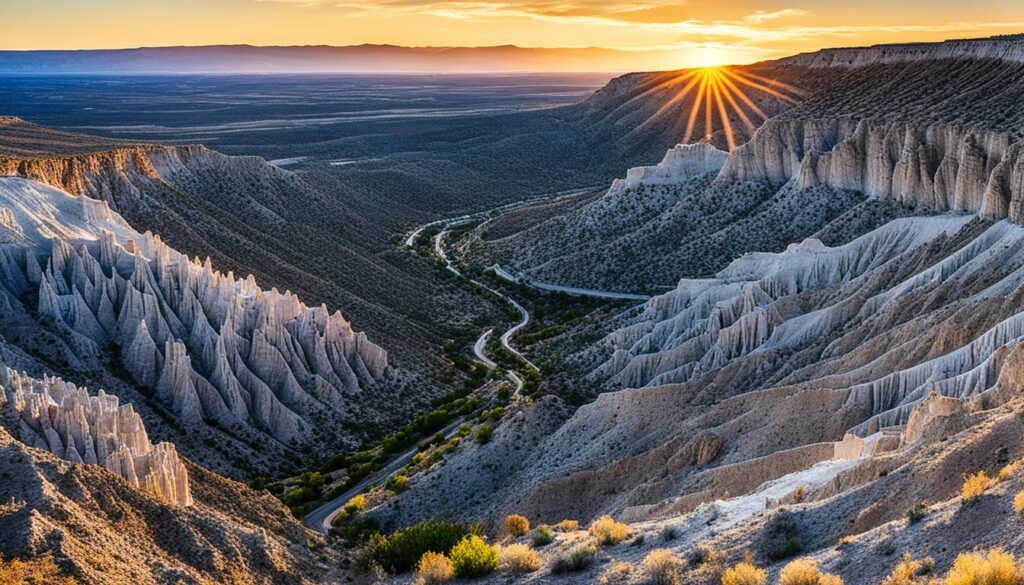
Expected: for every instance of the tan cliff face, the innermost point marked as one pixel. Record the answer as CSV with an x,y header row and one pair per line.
x,y
1008,48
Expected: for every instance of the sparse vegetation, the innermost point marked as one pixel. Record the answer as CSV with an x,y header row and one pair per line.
x,y
567,526
975,485
997,567
472,557
806,572
518,558
578,558
1018,502
662,567
607,531
704,554
918,512
433,569
782,539
542,536
516,525
617,574
744,573
483,434
909,571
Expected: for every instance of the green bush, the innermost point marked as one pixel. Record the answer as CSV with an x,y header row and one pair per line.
x,y
472,557
577,559
300,495
396,483
542,536
483,436
782,539
402,549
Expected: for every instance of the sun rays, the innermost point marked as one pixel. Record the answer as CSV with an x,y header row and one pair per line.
x,y
720,94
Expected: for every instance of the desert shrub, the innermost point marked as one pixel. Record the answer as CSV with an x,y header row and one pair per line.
x,y
434,568
918,512
997,567
805,572
1018,502
669,533
617,574
908,571
782,539
483,435
516,525
542,536
607,531
578,558
396,483
1009,470
41,571
567,525
472,557
402,549
744,573
703,554
356,504
518,558
975,485
662,567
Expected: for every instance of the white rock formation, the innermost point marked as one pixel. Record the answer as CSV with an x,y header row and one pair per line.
x,y
67,421
941,167
684,161
703,324
212,346
753,306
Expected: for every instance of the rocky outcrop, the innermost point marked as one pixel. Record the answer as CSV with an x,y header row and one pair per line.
x,y
933,167
59,417
212,346
706,323
684,161
1009,48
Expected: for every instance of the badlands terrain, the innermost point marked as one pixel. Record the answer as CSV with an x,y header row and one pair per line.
x,y
820,355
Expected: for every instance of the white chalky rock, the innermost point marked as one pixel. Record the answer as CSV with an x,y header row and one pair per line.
x,y
69,422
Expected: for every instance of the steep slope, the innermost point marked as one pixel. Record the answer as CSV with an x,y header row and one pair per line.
x,y
936,133
847,378
101,530
253,218
210,349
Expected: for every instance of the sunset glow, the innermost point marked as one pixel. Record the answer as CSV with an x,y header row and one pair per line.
x,y
653,34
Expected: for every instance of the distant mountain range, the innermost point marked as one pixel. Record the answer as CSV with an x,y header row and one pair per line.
x,y
322,58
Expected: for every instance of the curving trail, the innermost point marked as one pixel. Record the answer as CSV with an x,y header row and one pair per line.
x,y
320,518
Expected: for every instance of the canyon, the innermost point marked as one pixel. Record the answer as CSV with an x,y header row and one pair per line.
x,y
812,328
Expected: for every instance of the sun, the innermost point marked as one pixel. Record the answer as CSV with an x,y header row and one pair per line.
x,y
707,57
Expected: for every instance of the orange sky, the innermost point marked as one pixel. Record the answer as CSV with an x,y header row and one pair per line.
x,y
685,32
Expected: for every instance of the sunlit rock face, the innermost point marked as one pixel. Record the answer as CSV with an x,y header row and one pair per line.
x,y
936,167
67,421
1005,49
213,347
684,161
